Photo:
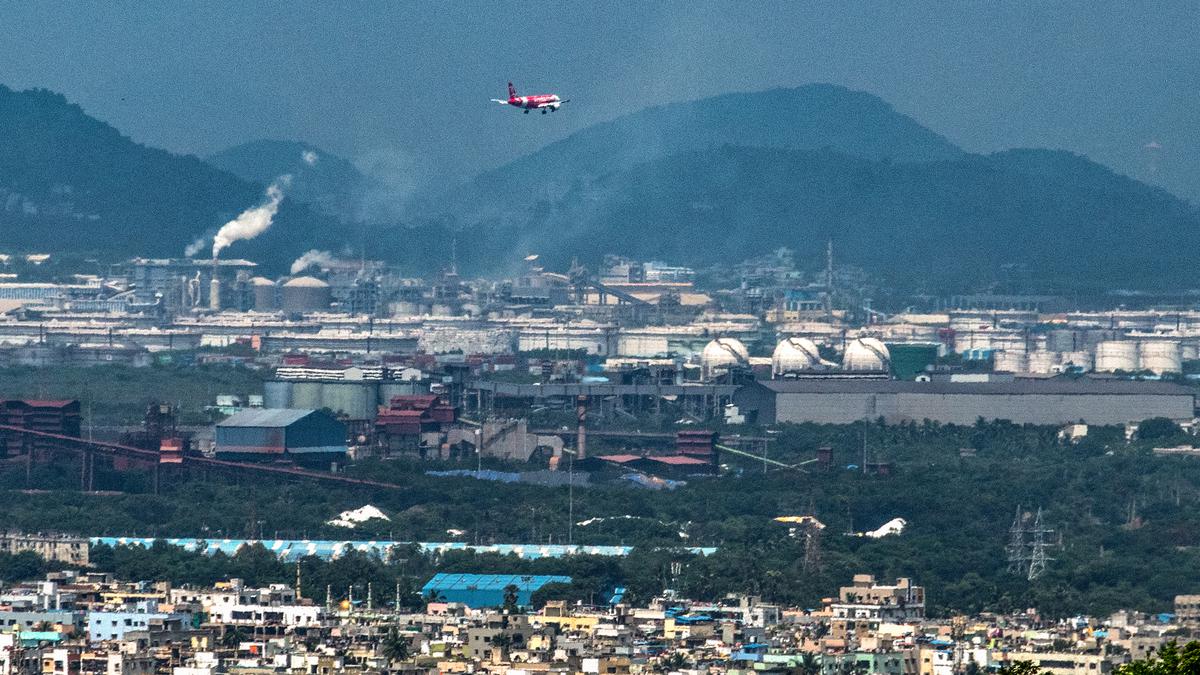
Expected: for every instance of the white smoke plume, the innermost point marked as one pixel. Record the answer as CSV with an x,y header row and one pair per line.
x,y
193,249
310,158
313,257
253,221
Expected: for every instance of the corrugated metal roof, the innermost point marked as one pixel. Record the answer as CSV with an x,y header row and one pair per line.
x,y
1051,387
280,417
490,582
678,460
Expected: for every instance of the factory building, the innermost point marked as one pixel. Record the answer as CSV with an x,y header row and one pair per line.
x,y
486,590
51,417
1020,401
281,434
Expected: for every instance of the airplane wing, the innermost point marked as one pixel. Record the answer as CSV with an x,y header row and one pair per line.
x,y
496,100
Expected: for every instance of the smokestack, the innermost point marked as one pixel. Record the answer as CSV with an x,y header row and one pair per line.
x,y
581,432
214,290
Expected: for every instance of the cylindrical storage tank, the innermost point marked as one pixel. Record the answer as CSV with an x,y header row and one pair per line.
x,y
1078,359
1061,340
307,395
1042,362
306,294
1114,355
388,390
1189,350
1160,356
277,394
264,294
441,309
1011,362
404,308
356,400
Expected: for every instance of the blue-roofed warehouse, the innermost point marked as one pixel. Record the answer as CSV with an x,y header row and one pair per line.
x,y
287,433
486,590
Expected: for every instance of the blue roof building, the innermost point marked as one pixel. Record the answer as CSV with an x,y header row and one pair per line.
x,y
486,590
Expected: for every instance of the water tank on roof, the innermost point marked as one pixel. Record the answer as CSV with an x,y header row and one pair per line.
x,y
793,355
1114,355
866,354
306,294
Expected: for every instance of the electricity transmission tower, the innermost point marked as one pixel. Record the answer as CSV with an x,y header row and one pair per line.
x,y
1027,546
1017,556
1037,554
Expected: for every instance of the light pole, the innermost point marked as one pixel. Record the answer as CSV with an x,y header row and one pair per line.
x,y
478,452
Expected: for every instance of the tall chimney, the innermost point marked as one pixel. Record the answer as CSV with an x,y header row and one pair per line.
x,y
214,290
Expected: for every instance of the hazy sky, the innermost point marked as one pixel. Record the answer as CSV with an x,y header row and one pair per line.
x,y
406,85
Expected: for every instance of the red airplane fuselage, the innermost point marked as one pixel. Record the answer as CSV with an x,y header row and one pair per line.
x,y
534,101
542,102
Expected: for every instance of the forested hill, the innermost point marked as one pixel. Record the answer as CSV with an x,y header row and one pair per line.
x,y
321,179
69,182
809,117
940,226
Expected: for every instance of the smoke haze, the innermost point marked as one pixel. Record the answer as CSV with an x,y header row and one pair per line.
x,y
253,221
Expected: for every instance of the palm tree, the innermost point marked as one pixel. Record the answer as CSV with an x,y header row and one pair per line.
x,y
511,597
672,662
395,648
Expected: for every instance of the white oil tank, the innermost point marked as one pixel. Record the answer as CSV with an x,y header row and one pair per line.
x,y
1114,355
1160,356
1189,350
1042,361
1010,362
1080,359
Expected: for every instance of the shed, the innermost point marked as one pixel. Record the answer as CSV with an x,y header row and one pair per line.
x,y
487,590
284,433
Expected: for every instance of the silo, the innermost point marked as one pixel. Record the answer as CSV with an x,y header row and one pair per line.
x,y
1011,362
307,395
264,294
356,400
306,294
277,394
1114,355
1160,356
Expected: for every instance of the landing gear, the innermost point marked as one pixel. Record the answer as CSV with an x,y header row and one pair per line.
x,y
526,112
543,111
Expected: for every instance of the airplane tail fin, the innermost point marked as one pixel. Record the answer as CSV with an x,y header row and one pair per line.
x,y
512,91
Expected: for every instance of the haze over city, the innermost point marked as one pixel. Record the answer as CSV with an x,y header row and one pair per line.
x,y
604,339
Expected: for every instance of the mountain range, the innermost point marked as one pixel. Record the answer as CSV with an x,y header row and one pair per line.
x,y
719,179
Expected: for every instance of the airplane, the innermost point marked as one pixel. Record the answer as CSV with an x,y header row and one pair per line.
x,y
544,102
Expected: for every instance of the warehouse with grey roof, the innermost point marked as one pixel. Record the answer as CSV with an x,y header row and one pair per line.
x,y
1058,401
